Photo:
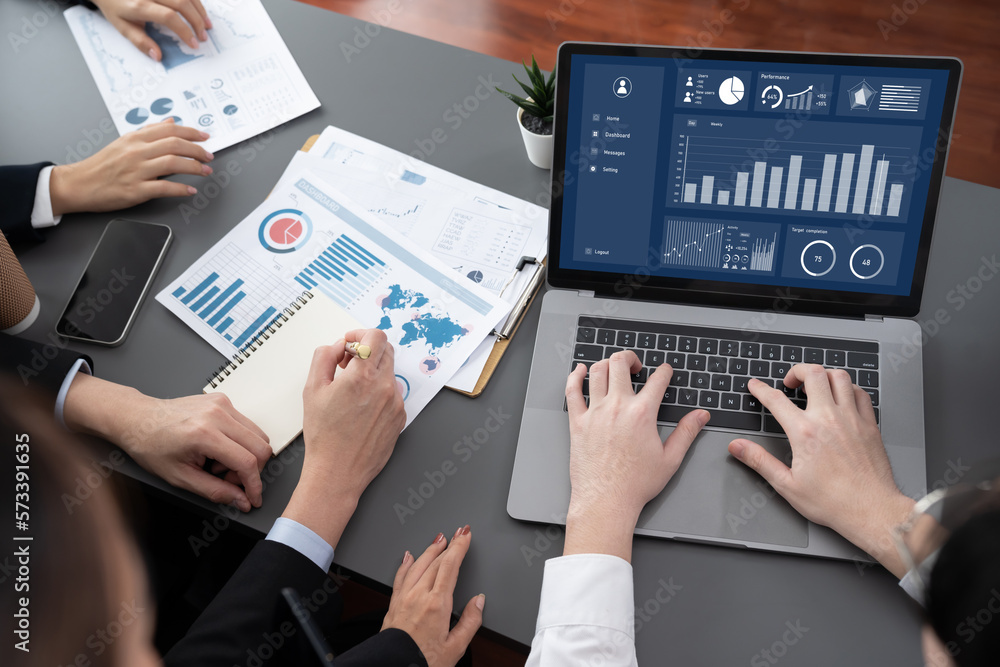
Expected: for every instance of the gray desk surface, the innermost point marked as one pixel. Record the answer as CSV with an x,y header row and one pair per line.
x,y
732,604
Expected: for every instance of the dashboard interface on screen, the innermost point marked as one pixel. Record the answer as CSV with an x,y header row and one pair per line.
x,y
813,176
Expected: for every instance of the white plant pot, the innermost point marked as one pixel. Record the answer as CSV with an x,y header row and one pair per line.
x,y
538,146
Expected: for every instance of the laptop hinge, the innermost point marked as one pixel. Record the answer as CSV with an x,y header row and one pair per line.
x,y
589,293
873,318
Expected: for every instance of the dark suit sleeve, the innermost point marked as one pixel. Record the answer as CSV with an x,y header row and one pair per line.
x,y
43,365
17,198
249,621
389,648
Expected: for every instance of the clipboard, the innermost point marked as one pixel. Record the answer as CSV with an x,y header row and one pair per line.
x,y
500,346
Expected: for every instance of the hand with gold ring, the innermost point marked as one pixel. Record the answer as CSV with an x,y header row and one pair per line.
x,y
353,416
356,349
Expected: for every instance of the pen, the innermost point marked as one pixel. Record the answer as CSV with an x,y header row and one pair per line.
x,y
309,628
358,350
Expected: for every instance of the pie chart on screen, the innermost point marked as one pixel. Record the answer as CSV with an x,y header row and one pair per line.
x,y
284,231
731,91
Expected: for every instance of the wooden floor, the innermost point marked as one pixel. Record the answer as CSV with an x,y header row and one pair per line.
x,y
514,29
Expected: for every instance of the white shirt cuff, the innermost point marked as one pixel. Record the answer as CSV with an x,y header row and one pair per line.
x,y
41,214
293,534
910,583
586,614
587,589
79,366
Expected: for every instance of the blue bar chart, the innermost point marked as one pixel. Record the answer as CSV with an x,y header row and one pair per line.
x,y
236,298
344,271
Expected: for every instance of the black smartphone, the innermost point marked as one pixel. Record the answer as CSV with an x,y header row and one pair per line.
x,y
113,285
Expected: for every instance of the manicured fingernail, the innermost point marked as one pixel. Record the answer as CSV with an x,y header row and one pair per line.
x,y
243,504
457,532
192,190
439,538
480,601
736,448
193,43
209,156
152,54
206,170
204,135
203,35
406,556
466,530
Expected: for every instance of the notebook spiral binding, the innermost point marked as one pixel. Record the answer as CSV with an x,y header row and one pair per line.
x,y
250,347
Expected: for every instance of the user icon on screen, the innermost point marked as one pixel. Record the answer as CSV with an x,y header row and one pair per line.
x,y
622,87
689,83
687,97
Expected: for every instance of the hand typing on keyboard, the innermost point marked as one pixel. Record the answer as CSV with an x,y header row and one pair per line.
x,y
840,475
617,461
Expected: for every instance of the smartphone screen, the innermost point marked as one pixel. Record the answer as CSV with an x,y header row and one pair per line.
x,y
115,281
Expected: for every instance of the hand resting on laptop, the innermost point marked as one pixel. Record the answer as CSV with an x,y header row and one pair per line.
x,y
617,461
840,475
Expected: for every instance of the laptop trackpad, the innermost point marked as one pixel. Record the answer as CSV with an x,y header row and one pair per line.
x,y
714,495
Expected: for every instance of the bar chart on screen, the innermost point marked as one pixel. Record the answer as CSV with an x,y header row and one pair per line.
x,y
821,174
234,296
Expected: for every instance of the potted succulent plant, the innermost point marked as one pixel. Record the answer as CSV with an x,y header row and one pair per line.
x,y
534,115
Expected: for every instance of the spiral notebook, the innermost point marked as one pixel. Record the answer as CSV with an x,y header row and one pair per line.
x,y
264,380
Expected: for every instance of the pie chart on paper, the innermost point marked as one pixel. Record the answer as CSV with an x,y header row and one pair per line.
x,y
731,91
285,230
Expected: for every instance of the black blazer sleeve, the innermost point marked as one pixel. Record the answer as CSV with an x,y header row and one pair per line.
x,y
17,198
43,365
249,621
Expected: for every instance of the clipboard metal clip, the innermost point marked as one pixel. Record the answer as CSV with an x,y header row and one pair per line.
x,y
521,305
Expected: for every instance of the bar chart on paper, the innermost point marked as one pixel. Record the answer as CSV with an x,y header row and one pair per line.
x,y
822,178
344,270
234,296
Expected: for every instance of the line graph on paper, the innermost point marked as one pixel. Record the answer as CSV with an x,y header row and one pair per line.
x,y
99,33
229,31
399,211
693,244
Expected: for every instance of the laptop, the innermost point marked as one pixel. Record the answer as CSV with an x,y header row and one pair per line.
x,y
733,213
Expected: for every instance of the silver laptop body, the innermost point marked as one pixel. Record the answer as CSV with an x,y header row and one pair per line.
x,y
873,217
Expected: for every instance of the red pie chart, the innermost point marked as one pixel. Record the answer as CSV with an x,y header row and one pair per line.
x,y
285,230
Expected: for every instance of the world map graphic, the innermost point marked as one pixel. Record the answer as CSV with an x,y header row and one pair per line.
x,y
410,312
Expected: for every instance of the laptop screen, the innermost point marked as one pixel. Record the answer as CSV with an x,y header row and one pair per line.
x,y
749,174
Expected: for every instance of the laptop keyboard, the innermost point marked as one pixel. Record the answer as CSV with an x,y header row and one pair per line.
x,y
713,366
